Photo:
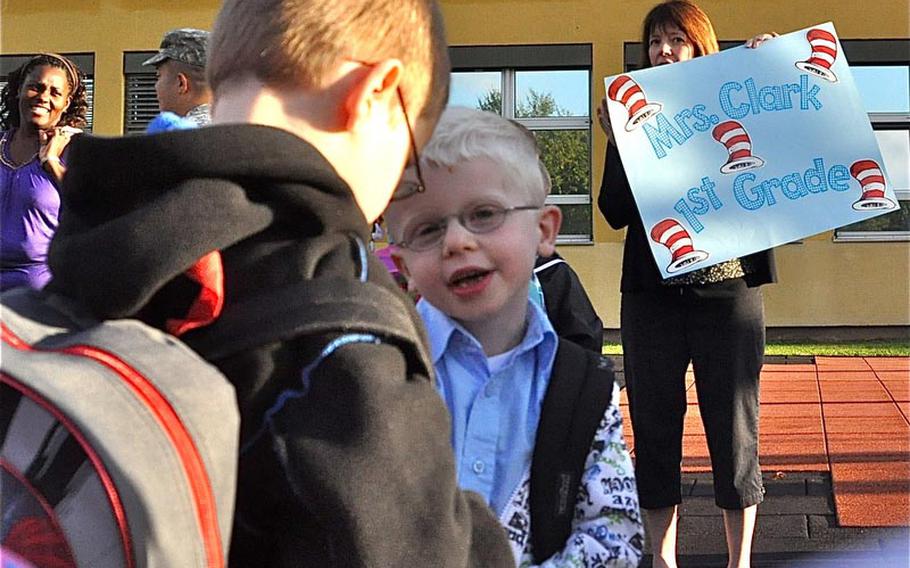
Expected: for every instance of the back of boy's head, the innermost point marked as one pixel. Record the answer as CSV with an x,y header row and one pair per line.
x,y
464,134
297,43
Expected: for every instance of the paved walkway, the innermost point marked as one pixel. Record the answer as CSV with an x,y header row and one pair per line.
x,y
835,454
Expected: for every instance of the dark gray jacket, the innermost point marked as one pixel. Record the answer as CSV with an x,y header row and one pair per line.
x,y
347,458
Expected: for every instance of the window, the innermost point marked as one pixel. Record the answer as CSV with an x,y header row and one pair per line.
x,y
140,103
546,88
881,71
84,61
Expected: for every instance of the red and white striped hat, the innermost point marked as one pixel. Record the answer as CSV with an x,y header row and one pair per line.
x,y
872,181
739,147
824,53
672,235
626,91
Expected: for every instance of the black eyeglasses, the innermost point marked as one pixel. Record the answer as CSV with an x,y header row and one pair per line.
x,y
408,188
478,219
405,189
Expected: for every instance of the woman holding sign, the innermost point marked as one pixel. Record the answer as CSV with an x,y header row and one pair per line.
x,y
712,317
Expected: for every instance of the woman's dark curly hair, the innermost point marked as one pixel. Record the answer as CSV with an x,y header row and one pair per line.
x,y
74,115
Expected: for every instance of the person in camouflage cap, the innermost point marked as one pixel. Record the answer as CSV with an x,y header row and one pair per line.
x,y
181,85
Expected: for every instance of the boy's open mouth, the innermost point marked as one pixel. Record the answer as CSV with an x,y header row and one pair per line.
x,y
468,277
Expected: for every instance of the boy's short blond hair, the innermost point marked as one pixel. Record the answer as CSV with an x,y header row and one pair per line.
x,y
297,43
464,134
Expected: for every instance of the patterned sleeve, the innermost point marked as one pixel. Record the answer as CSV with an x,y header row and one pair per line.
x,y
607,529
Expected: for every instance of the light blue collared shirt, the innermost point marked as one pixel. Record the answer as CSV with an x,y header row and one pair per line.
x,y
494,415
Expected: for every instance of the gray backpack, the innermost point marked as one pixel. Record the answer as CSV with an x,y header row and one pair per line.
x,y
118,444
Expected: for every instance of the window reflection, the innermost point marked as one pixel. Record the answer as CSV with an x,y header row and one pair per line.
x,y
551,93
896,221
576,220
555,106
477,89
565,153
883,88
895,148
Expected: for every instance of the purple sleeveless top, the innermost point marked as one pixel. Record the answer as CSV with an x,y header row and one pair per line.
x,y
29,206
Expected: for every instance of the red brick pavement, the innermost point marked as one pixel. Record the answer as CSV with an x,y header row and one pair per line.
x,y
848,416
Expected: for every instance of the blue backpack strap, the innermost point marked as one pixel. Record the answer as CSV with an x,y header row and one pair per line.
x,y
581,385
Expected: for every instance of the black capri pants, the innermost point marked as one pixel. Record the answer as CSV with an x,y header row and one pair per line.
x,y
723,335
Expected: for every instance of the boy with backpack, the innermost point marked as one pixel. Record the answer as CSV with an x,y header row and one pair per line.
x,y
247,240
536,424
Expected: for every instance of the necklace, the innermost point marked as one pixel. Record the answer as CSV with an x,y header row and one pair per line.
x,y
8,160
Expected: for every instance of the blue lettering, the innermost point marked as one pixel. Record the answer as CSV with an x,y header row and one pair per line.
x,y
660,137
704,121
726,103
790,88
699,205
683,209
707,185
771,98
765,188
753,95
680,119
793,187
768,98
837,175
747,203
814,177
806,96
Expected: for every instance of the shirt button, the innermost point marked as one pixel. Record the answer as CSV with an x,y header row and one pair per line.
x,y
489,391
478,466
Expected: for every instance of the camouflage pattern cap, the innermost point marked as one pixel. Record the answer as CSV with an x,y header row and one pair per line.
x,y
186,45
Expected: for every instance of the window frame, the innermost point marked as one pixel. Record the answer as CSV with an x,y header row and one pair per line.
x,y
873,53
509,60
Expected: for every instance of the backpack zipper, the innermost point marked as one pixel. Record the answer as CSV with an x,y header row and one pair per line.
x,y
169,421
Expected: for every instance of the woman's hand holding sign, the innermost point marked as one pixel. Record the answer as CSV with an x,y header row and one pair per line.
x,y
760,39
603,117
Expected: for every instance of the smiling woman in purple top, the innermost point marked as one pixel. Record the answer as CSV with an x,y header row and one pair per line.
x,y
41,107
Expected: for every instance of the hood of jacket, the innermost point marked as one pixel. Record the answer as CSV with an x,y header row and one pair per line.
x,y
137,212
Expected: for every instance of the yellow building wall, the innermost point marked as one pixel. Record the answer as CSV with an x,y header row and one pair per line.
x,y
820,282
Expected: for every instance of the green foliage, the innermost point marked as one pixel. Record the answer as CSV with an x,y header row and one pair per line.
x,y
852,348
565,153
538,105
491,102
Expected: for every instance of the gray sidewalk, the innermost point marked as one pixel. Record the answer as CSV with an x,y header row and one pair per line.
x,y
796,527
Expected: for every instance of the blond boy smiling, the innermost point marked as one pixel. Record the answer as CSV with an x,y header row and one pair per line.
x,y
467,238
